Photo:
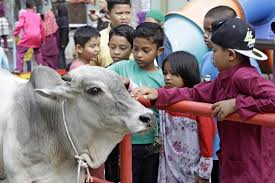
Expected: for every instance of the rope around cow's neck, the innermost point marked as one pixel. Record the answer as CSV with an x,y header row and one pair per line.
x,y
80,160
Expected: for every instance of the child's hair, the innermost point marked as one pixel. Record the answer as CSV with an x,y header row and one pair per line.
x,y
84,34
124,31
184,65
30,4
221,13
150,31
112,3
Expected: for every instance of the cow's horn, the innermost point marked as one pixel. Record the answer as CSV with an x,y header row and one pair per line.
x,y
67,78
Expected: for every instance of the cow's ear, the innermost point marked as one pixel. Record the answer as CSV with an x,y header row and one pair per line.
x,y
56,93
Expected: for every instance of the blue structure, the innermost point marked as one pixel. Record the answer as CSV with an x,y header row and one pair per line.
x,y
260,13
185,35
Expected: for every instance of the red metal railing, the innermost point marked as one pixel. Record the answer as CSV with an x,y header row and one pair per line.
x,y
204,109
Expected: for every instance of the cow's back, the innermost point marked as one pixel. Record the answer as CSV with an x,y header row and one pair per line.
x,y
9,83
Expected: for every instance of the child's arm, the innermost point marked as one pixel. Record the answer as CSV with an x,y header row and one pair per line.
x,y
257,95
203,92
19,25
207,129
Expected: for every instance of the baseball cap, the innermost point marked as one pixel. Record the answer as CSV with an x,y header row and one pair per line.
x,y
157,15
236,34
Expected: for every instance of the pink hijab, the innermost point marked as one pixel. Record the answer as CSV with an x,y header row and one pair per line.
x,y
49,23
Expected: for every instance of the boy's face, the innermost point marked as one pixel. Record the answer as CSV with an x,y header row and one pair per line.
x,y
207,31
90,51
120,48
221,57
120,14
145,51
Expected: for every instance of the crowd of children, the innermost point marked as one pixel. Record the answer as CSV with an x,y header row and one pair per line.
x,y
41,35
180,147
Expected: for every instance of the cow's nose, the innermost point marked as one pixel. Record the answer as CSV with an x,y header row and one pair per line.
x,y
146,118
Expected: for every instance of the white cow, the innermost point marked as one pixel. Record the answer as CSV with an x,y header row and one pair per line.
x,y
97,110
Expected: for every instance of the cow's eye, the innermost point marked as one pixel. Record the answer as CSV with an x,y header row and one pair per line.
x,y
94,91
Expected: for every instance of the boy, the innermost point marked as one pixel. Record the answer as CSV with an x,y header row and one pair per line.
x,y
121,42
208,70
147,44
156,16
120,14
216,14
87,41
247,151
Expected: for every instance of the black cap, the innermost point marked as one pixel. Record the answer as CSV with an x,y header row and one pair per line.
x,y
236,34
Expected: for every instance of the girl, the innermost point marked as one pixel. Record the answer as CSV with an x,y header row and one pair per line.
x,y
182,156
31,24
49,48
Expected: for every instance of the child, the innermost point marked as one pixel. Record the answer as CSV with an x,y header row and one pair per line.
x,y
86,40
63,33
181,158
49,48
216,14
247,151
120,45
4,26
29,54
147,44
121,42
156,16
209,70
101,16
120,14
33,35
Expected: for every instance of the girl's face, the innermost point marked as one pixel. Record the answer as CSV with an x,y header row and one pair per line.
x,y
120,48
170,78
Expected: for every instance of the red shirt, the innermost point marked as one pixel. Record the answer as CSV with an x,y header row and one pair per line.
x,y
247,151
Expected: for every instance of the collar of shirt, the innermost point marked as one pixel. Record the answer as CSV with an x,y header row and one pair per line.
x,y
229,72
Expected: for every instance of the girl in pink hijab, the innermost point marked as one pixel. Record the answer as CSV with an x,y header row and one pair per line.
x,y
50,48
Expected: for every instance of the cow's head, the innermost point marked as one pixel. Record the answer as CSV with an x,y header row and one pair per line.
x,y
101,108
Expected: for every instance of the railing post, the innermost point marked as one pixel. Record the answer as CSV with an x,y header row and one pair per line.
x,y
126,159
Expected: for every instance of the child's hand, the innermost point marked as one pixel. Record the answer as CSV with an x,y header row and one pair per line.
x,y
147,93
223,108
201,180
125,81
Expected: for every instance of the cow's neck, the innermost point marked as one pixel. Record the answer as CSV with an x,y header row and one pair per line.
x,y
94,141
44,132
